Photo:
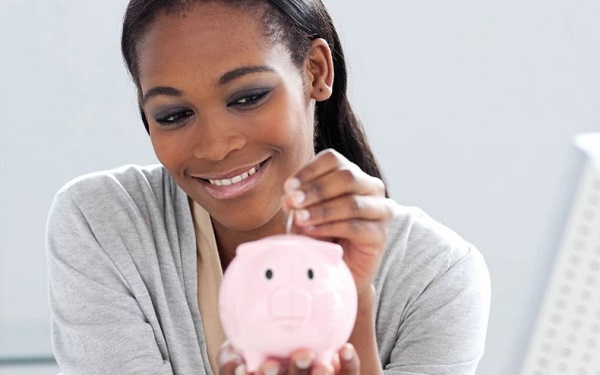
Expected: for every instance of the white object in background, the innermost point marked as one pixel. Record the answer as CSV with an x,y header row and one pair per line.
x,y
590,144
566,339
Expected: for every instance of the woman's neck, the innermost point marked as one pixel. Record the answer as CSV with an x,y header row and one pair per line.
x,y
228,240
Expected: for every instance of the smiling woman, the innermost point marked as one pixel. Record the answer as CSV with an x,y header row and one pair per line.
x,y
245,104
220,101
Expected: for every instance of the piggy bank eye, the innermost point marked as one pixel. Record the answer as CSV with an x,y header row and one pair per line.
x,y
269,274
311,273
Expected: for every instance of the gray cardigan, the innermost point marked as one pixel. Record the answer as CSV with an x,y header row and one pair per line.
x,y
122,273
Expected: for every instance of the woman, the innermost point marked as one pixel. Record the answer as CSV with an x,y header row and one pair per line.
x,y
245,104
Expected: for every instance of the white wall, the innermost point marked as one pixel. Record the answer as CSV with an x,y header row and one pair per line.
x,y
470,105
66,108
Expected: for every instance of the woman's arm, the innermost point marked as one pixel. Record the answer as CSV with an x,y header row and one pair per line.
x,y
363,337
336,200
442,329
97,324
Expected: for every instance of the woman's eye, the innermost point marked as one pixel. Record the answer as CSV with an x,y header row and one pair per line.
x,y
248,100
174,117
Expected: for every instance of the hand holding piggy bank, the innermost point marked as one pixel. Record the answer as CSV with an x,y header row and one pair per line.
x,y
287,292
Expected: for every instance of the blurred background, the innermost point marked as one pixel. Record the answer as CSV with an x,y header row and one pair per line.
x,y
471,107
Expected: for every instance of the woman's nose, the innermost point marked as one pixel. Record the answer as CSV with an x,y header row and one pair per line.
x,y
215,141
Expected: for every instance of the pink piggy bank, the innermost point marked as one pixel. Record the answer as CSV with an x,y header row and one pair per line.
x,y
287,292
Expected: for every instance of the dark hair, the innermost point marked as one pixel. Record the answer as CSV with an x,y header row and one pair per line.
x,y
295,23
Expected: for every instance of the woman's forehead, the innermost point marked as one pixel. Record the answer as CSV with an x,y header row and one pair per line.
x,y
207,34
211,23
205,42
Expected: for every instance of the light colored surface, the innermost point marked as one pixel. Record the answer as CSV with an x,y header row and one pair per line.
x,y
567,334
471,107
66,108
589,143
30,370
25,336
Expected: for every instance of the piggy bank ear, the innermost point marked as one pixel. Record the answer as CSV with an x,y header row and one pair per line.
x,y
332,252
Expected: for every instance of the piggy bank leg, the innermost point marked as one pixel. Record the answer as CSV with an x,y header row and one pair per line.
x,y
253,360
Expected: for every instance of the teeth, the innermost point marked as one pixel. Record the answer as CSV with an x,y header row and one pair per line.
x,y
236,179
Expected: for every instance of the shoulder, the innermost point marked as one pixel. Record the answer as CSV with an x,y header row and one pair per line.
x,y
422,251
129,182
430,280
115,195
418,241
128,213
127,178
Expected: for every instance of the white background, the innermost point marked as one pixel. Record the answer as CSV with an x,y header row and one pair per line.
x,y
471,107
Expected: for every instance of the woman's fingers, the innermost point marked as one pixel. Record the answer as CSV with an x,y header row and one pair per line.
x,y
344,208
327,176
333,199
366,237
324,162
230,362
269,367
301,362
349,362
346,362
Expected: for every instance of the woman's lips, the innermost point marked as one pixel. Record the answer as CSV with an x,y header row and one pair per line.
x,y
236,186
235,179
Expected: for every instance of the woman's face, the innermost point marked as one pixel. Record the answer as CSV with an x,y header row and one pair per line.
x,y
229,114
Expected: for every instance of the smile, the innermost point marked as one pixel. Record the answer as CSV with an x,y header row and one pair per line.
x,y
235,179
235,186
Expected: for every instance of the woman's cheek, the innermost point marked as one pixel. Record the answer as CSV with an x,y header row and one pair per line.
x,y
167,149
291,119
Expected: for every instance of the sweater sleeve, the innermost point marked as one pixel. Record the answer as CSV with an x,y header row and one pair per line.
x,y
443,331
433,299
97,324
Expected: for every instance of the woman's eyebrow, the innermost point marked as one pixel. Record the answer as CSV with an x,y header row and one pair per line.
x,y
239,72
160,90
225,79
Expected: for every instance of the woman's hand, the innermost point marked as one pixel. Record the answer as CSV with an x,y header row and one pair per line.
x,y
334,199
301,362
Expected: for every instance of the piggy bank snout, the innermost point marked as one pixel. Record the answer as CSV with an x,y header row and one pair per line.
x,y
289,302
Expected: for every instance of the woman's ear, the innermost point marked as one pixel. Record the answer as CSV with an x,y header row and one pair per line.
x,y
319,66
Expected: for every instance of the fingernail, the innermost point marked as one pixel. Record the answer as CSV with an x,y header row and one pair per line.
x,y
291,184
240,370
347,353
298,197
271,370
302,215
227,356
303,363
